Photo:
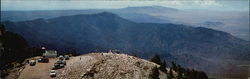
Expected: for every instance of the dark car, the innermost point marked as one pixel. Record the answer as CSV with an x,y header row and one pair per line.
x,y
57,66
43,60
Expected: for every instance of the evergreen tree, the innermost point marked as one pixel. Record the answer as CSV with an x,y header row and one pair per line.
x,y
170,75
155,73
135,55
2,29
163,66
202,75
156,59
186,73
180,75
174,66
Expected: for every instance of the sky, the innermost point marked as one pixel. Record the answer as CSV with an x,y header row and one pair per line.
x,y
232,5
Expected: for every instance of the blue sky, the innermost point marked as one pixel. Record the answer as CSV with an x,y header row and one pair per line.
x,y
233,5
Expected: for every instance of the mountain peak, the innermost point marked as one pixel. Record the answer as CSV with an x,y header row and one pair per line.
x,y
107,13
95,14
97,17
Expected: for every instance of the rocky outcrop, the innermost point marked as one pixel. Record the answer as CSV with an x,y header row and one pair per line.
x,y
109,66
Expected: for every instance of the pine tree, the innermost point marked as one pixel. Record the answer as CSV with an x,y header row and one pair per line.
x,y
163,66
174,66
156,59
170,75
2,29
202,75
155,73
180,75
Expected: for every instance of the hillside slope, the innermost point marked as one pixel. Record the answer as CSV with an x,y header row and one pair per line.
x,y
14,49
194,47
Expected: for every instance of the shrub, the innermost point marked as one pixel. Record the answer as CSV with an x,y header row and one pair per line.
x,y
155,73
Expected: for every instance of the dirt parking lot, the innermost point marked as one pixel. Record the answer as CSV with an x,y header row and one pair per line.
x,y
42,70
39,71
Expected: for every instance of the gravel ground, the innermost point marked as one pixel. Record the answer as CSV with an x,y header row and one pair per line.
x,y
39,71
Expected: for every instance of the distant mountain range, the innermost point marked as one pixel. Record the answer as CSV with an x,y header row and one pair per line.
x,y
234,23
194,47
136,14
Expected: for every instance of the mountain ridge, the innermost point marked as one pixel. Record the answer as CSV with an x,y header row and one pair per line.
x,y
107,31
152,14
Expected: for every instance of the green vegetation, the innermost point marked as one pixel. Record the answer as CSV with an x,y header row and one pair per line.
x,y
155,73
163,66
156,59
182,73
14,50
170,75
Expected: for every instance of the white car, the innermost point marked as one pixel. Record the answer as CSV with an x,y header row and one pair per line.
x,y
32,62
53,73
61,57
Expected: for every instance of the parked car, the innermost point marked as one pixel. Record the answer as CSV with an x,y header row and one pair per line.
x,y
66,57
61,57
61,62
64,62
43,60
62,65
58,62
32,62
53,73
57,66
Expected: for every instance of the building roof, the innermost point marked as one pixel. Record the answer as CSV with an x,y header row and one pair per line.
x,y
50,52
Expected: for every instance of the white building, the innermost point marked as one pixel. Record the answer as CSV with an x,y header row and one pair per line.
x,y
50,53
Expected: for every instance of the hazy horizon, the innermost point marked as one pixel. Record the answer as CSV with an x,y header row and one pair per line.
x,y
220,5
